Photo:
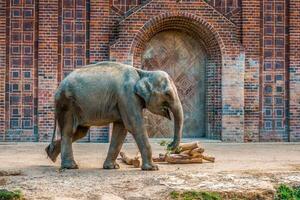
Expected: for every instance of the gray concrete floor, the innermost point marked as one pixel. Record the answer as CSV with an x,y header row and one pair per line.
x,y
238,168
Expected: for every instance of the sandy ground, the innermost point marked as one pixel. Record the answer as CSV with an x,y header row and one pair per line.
x,y
240,168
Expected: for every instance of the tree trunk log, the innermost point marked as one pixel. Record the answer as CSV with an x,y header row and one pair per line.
x,y
208,158
130,161
188,146
180,159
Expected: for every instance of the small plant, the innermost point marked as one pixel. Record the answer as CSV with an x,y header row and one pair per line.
x,y
195,195
285,192
169,149
164,143
10,195
174,195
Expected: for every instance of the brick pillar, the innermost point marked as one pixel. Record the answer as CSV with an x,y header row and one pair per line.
x,y
47,66
2,66
99,50
294,70
99,30
251,41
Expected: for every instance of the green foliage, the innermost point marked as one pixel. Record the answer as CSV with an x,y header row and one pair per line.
x,y
169,149
164,143
195,195
285,192
174,195
10,195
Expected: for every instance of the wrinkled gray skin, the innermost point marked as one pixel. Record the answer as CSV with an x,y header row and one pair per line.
x,y
109,92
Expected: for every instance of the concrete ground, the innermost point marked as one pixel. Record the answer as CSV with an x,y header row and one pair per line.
x,y
253,168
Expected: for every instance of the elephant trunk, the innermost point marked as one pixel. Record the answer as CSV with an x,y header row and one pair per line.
x,y
177,111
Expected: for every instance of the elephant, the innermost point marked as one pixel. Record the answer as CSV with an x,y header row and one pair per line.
x,y
112,92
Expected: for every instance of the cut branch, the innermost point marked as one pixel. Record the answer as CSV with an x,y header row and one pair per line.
x,y
180,159
130,161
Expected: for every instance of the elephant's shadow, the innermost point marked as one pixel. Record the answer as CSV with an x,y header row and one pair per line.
x,y
52,170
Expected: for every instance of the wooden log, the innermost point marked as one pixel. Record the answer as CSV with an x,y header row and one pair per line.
x,y
208,158
160,158
196,151
136,162
186,152
130,161
180,159
188,146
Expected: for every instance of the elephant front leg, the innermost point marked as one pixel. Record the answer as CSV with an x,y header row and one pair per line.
x,y
118,136
144,146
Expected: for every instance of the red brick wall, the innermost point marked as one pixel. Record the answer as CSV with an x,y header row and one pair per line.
x,y
294,48
242,109
251,35
99,30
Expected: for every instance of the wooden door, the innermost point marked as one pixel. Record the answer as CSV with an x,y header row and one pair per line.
x,y
183,58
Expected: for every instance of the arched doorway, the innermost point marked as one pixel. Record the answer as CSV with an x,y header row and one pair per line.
x,y
189,50
183,58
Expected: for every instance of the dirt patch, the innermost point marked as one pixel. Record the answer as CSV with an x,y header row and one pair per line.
x,y
3,181
249,171
10,172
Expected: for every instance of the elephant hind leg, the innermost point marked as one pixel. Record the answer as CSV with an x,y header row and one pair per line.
x,y
118,136
67,131
53,150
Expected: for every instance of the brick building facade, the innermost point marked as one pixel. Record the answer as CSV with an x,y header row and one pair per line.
x,y
236,63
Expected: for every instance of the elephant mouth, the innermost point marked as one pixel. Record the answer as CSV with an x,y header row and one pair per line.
x,y
166,112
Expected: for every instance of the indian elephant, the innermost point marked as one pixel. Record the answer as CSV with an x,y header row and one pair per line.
x,y
111,92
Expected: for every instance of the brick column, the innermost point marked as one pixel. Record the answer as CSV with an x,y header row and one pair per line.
x,y
251,41
99,30
99,50
47,66
294,70
2,66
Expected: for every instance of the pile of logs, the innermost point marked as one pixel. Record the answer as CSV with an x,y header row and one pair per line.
x,y
186,153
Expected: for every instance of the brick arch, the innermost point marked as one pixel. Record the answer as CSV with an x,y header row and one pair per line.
x,y
221,40
212,44
187,22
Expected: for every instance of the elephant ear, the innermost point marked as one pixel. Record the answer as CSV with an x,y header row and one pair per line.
x,y
143,89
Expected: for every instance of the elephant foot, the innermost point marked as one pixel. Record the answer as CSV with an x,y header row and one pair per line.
x,y
149,167
53,150
69,165
111,165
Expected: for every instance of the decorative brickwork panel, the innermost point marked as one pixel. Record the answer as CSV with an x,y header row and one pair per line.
x,y
124,6
22,71
226,7
73,35
3,65
274,74
182,57
294,69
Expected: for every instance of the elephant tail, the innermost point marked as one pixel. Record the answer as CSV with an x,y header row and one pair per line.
x,y
52,144
54,132
53,149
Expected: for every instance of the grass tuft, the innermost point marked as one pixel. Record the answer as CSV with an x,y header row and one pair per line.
x,y
10,195
195,195
285,192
